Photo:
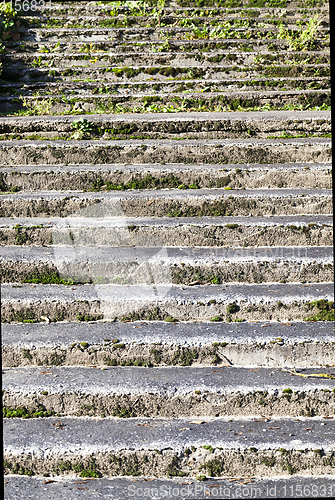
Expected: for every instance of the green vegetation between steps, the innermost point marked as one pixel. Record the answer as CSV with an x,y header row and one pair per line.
x,y
326,310
23,412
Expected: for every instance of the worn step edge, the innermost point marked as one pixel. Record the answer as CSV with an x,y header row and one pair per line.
x,y
294,345
281,302
81,261
121,447
168,391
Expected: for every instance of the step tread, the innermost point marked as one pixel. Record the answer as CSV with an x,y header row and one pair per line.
x,y
164,381
40,438
181,334
227,293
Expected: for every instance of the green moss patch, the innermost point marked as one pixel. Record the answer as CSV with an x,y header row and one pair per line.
x,y
23,412
326,310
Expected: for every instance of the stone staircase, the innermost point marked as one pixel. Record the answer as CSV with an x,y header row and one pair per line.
x,y
166,218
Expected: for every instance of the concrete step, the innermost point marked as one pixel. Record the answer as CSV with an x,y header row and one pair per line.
x,y
228,302
192,59
248,345
165,151
181,18
168,392
155,176
142,102
147,87
118,447
217,125
71,11
184,265
140,34
168,203
229,232
111,74
151,46
58,488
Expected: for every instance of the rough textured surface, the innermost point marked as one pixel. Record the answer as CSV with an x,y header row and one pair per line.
x,y
164,151
105,177
183,265
127,446
158,125
281,302
233,231
168,392
162,203
177,159
242,344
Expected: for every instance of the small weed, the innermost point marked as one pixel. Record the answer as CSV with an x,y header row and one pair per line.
x,y
170,319
87,317
82,128
216,318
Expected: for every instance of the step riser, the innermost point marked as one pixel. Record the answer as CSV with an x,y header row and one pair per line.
x,y
129,104
73,153
66,60
287,87
309,403
175,237
149,34
219,125
134,22
151,463
111,41
300,177
298,355
166,208
137,273
146,309
160,74
154,46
